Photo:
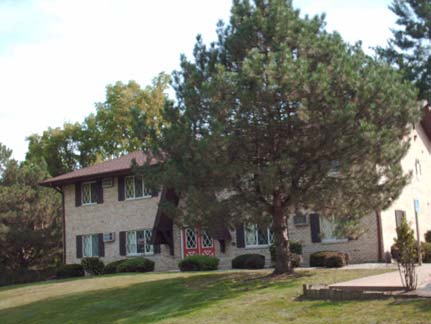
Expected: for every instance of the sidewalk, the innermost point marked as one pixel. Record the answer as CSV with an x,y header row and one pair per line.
x,y
390,281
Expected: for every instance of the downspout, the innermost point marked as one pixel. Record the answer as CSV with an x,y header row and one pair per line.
x,y
63,212
379,236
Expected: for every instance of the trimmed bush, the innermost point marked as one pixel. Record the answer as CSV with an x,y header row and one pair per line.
x,y
93,266
426,252
25,276
198,263
294,247
112,267
249,261
136,265
69,271
428,237
296,260
329,259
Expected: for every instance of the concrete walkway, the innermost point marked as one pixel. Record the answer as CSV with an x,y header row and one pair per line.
x,y
390,281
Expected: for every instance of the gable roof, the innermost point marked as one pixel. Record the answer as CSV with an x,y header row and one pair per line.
x,y
119,165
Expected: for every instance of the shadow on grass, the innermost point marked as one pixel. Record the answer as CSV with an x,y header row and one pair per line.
x,y
146,302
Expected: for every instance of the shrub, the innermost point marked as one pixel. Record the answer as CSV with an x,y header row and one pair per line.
x,y
294,247
249,261
426,252
69,271
8,277
329,259
93,266
112,267
296,260
428,236
136,265
198,263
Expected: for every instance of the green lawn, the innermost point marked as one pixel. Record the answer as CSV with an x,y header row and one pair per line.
x,y
222,297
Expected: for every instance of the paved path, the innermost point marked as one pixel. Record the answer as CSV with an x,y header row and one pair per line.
x,y
391,281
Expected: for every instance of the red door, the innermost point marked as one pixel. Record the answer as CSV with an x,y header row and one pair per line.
x,y
197,242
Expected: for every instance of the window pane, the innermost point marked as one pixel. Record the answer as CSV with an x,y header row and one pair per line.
x,y
86,193
206,240
130,191
327,228
131,242
95,245
138,187
87,251
140,241
148,245
147,191
94,192
190,238
250,235
262,236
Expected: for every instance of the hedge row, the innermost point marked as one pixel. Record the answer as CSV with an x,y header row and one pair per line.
x,y
329,259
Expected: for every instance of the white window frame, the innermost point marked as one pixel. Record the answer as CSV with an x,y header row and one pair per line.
x,y
134,189
331,240
256,229
91,245
88,183
136,235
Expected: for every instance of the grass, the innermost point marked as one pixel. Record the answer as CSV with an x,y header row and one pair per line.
x,y
222,297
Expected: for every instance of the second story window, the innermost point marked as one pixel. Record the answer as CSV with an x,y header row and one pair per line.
x,y
134,188
89,193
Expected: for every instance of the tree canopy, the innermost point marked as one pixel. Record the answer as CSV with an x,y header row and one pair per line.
x,y
410,47
120,125
263,115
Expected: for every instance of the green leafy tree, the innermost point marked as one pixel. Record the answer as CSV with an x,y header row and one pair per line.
x,y
407,255
120,125
410,47
30,222
262,115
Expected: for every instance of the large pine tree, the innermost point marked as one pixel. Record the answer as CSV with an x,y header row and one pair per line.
x,y
264,114
410,47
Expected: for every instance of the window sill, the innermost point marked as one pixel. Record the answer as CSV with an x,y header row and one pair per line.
x,y
263,246
140,254
89,204
138,198
335,241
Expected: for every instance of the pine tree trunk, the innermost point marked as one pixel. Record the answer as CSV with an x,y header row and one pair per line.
x,y
283,263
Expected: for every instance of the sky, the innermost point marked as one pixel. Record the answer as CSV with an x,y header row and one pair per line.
x,y
57,56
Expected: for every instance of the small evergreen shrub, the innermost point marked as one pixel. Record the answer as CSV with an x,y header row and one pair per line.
x,y
428,236
112,267
426,252
249,261
198,263
93,266
69,271
296,260
136,265
329,259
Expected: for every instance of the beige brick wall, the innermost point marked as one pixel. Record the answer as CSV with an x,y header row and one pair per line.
x,y
111,216
419,188
364,249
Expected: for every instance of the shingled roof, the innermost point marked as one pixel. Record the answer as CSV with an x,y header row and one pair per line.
x,y
110,167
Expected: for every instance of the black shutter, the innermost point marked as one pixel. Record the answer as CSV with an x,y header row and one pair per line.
x,y
101,245
120,188
240,241
156,248
78,201
315,228
79,246
122,243
99,192
222,246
